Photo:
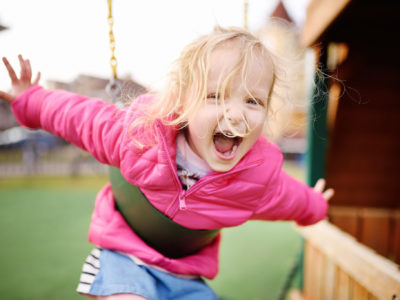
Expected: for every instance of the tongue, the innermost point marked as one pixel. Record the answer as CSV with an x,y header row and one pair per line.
x,y
223,143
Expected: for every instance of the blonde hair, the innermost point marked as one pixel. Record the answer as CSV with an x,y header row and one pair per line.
x,y
293,68
186,87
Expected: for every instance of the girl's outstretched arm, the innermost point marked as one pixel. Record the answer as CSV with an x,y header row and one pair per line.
x,y
290,199
21,83
88,123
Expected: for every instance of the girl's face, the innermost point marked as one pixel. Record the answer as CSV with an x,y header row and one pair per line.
x,y
210,134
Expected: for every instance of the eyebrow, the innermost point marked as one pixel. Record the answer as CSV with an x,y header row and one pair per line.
x,y
263,95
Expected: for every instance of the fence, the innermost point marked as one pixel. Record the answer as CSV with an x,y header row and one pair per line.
x,y
65,160
336,266
377,228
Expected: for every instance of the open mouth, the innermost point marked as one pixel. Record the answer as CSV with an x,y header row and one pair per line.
x,y
226,144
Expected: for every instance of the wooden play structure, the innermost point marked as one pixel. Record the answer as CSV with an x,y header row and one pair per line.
x,y
355,254
336,266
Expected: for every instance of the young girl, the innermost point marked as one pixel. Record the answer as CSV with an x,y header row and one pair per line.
x,y
195,152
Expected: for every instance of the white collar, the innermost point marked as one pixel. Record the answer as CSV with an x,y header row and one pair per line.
x,y
189,154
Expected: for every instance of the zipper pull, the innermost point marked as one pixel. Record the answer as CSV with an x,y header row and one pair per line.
x,y
182,202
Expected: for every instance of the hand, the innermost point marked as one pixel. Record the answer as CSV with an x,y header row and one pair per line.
x,y
19,85
320,186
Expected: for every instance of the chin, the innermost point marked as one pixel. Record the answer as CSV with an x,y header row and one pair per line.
x,y
220,167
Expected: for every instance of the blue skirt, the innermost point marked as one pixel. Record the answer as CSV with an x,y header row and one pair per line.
x,y
106,273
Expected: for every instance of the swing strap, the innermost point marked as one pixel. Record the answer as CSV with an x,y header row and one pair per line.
x,y
157,230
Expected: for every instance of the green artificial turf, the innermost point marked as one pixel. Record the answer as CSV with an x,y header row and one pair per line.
x,y
255,260
43,233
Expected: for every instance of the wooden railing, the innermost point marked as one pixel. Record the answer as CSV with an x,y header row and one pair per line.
x,y
377,228
336,266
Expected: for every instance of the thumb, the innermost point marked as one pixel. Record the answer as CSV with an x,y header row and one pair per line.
x,y
36,81
6,97
328,194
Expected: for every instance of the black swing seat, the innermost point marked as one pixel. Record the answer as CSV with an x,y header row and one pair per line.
x,y
152,226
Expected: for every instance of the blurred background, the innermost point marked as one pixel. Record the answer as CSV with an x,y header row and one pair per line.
x,y
342,124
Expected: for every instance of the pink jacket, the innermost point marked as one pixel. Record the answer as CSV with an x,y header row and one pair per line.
x,y
255,189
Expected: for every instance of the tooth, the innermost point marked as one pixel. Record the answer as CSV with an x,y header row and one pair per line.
x,y
234,148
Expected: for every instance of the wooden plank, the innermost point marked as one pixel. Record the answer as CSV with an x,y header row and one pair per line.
x,y
308,269
359,292
375,229
343,286
396,238
313,267
328,292
346,218
381,231
320,14
379,275
318,274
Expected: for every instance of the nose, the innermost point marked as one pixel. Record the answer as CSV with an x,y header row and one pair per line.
x,y
235,113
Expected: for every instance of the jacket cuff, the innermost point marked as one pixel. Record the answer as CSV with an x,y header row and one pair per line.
x,y
26,109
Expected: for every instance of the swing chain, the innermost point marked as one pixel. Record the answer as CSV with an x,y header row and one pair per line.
x,y
113,59
245,13
113,89
114,86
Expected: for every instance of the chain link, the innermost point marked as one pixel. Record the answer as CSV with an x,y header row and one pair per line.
x,y
113,88
245,10
113,59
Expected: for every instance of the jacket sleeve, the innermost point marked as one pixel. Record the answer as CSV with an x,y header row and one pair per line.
x,y
89,123
291,199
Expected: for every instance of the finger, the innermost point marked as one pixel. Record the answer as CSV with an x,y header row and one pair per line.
x,y
23,73
28,68
320,185
328,194
10,70
6,97
36,81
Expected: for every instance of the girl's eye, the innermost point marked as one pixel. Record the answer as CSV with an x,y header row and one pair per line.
x,y
212,96
253,101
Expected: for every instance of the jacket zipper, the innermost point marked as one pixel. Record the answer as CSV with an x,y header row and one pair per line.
x,y
200,183
181,203
173,208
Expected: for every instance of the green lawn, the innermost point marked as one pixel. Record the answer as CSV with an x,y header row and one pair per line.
x,y
43,234
44,224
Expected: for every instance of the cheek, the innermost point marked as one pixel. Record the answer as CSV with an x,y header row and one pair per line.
x,y
257,120
197,131
206,119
